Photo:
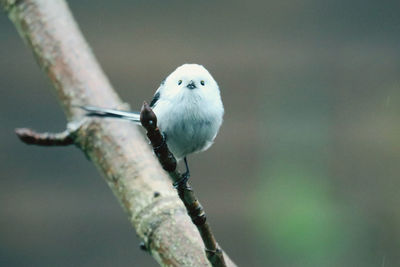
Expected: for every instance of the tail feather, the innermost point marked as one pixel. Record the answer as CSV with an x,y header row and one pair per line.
x,y
111,113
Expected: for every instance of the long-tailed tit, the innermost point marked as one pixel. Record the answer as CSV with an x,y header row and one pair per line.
x,y
189,111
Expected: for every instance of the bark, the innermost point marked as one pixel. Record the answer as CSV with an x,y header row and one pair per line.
x,y
117,149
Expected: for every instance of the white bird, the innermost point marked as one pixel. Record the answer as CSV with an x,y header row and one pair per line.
x,y
189,111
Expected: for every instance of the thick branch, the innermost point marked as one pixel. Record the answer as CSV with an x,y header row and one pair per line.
x,y
117,149
196,212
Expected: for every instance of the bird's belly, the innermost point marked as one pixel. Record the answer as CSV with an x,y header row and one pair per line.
x,y
185,136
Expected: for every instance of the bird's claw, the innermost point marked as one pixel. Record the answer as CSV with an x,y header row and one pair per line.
x,y
182,181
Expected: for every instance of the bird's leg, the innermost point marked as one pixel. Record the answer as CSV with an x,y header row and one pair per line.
x,y
185,176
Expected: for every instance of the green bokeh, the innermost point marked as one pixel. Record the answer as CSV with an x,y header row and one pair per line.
x,y
298,219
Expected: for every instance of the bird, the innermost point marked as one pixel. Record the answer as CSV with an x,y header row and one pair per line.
x,y
189,112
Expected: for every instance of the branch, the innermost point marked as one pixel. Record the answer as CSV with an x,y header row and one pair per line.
x,y
196,212
65,138
30,137
118,150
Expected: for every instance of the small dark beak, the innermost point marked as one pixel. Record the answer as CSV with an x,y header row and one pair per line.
x,y
191,85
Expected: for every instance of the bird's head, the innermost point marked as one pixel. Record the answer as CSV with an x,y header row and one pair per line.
x,y
190,80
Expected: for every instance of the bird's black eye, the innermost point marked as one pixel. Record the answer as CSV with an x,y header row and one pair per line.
x,y
202,83
179,82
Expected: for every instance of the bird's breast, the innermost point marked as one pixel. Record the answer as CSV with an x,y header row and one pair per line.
x,y
189,128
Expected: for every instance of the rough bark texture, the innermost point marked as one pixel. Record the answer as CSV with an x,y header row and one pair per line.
x,y
116,148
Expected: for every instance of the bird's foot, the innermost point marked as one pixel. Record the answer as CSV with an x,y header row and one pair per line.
x,y
182,181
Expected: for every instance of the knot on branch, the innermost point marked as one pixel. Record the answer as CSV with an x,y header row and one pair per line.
x,y
214,256
196,213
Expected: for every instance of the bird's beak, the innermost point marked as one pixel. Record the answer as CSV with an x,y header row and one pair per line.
x,y
191,85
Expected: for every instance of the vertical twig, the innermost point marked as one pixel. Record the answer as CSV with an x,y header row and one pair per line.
x,y
168,162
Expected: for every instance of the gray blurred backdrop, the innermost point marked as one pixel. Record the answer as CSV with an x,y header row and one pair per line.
x,y
305,170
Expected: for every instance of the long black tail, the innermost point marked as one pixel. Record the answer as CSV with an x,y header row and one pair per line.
x,y
111,113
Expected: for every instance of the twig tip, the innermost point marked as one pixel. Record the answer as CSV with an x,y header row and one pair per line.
x,y
147,116
25,135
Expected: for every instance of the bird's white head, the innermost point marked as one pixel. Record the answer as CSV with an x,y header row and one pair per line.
x,y
190,80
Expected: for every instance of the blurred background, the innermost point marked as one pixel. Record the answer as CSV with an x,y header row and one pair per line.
x,y
305,170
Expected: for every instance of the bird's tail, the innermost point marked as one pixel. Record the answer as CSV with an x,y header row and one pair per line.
x,y
111,113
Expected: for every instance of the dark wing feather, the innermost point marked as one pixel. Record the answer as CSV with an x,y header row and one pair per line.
x,y
156,96
155,99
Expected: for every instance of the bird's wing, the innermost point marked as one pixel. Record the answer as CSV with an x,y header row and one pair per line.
x,y
157,95
153,102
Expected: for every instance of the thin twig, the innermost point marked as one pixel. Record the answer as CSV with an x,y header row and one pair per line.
x,y
196,212
64,138
31,137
